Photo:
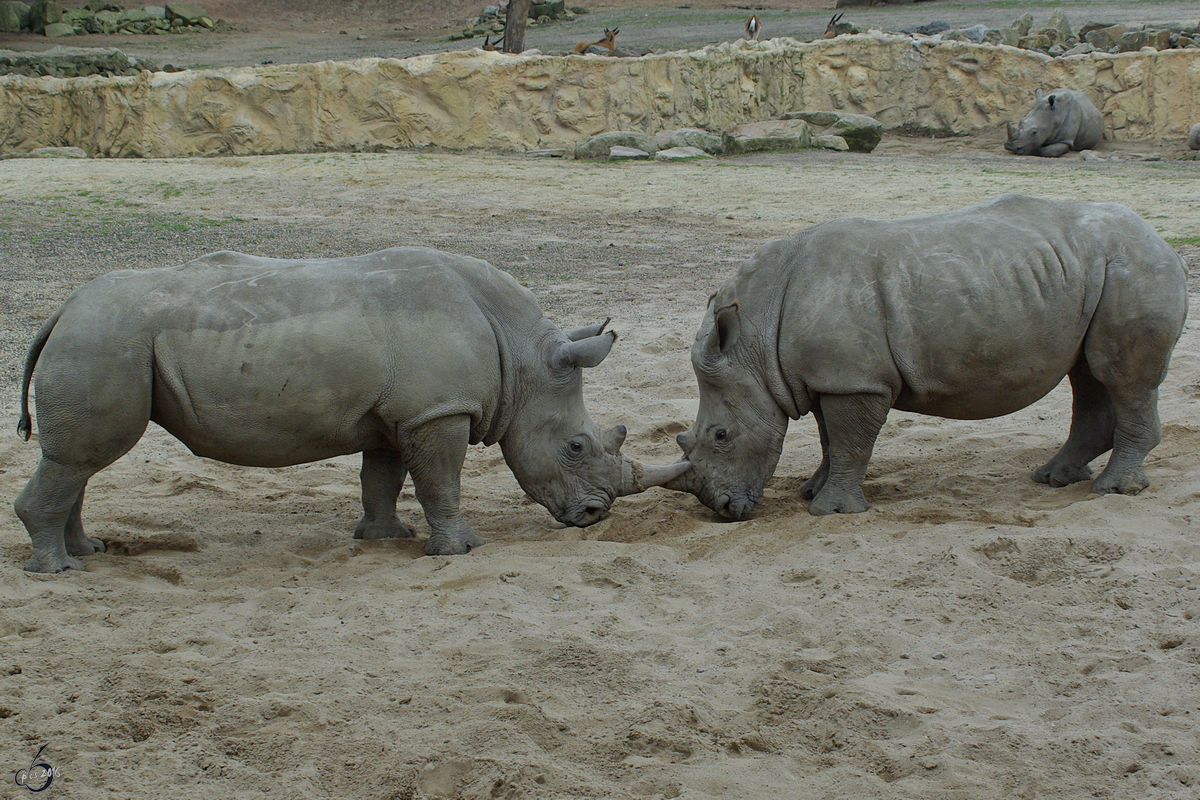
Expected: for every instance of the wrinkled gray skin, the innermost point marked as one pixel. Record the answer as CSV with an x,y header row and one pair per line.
x,y
970,314
406,355
1059,121
1193,139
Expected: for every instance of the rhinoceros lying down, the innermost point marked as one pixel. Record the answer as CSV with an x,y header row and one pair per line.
x,y
970,314
405,355
1061,120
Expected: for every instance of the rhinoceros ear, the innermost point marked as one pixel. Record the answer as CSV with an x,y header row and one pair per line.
x,y
1037,93
1050,100
727,327
575,334
583,353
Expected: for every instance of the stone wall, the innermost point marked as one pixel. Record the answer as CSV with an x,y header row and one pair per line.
x,y
477,99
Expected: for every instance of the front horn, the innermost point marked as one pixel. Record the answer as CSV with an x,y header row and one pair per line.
x,y
637,477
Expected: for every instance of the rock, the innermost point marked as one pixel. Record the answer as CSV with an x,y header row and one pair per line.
x,y
551,11
600,145
133,16
1088,27
50,152
1104,38
1042,43
57,29
830,141
862,133
621,153
776,134
188,13
1193,137
1023,25
691,137
1160,40
43,13
928,29
1088,155
108,21
155,12
13,16
99,5
821,119
1132,42
680,154
1080,49
1058,22
975,33
546,152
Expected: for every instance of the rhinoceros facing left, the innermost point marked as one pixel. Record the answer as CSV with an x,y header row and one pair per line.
x,y
969,314
1059,121
404,355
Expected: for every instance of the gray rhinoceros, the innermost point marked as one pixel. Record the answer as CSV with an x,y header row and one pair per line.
x,y
404,355
969,314
1193,137
1059,121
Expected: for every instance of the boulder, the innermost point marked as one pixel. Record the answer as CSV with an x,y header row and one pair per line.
x,y
187,13
831,142
622,153
1080,49
860,132
55,30
1104,38
13,16
1133,41
133,16
690,137
599,146
1058,21
928,29
43,13
1023,25
1159,40
1088,27
98,5
108,21
680,154
775,134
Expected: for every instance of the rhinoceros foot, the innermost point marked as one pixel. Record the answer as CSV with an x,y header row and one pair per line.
x,y
813,486
44,562
84,545
835,500
382,529
1131,481
1058,475
453,543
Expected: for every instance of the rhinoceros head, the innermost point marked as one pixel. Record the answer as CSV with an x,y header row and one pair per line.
x,y
1032,131
558,455
738,435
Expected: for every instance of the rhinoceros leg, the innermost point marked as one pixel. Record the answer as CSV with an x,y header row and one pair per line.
x,y
46,505
1091,435
383,473
435,453
1136,433
1054,150
78,543
852,422
813,485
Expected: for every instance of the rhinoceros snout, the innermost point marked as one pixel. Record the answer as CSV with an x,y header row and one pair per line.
x,y
733,509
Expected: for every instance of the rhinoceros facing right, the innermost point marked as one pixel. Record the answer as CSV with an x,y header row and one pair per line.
x,y
969,314
404,355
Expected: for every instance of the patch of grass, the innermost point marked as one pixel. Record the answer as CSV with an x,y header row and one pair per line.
x,y
169,190
1176,241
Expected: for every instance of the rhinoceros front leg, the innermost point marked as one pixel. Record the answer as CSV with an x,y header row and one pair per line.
x,y
382,475
852,422
435,453
1054,150
46,506
813,485
1091,435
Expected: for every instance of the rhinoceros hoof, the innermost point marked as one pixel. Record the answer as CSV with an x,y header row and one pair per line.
x,y
392,529
52,563
447,545
1062,474
835,502
84,546
813,486
1131,482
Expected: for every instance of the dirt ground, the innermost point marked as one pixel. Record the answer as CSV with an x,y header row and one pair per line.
x,y
973,635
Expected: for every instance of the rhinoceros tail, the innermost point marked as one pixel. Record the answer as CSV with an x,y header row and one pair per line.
x,y
25,424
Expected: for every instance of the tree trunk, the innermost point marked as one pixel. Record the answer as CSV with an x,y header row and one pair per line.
x,y
514,26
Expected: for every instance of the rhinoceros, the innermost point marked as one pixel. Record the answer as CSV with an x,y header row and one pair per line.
x,y
1193,137
404,355
969,314
1059,121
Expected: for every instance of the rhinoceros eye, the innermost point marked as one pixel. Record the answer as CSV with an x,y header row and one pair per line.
x,y
720,434
575,447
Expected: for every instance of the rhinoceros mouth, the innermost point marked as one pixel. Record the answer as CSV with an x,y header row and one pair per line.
x,y
583,513
735,507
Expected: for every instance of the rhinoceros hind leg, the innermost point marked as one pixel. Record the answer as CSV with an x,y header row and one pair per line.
x,y
812,487
435,453
852,422
1138,431
78,543
382,475
1092,424
45,506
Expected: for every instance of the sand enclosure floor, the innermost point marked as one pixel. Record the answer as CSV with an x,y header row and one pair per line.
x,y
975,635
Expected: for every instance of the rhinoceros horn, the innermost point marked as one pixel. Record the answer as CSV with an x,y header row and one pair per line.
x,y
1012,132
637,477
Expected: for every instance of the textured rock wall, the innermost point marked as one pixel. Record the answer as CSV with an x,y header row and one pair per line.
x,y
475,99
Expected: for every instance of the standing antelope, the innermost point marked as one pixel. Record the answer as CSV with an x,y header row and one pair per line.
x,y
609,42
753,27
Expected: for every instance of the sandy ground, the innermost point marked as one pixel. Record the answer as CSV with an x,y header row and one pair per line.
x,y
974,635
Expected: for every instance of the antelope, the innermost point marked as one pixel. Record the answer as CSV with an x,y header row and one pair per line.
x,y
609,42
753,27
492,46
831,28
